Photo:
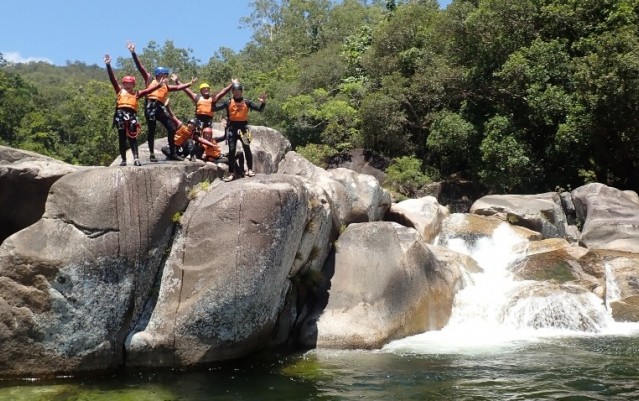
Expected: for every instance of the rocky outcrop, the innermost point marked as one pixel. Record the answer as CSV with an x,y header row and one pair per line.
x,y
355,197
423,214
73,284
610,218
25,179
387,284
542,213
226,281
144,261
269,148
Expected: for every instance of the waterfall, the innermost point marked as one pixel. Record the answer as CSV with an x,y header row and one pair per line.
x,y
612,288
493,309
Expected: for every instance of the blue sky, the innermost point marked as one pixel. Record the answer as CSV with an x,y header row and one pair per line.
x,y
58,31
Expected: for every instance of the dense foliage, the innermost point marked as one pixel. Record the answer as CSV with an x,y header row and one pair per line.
x,y
521,96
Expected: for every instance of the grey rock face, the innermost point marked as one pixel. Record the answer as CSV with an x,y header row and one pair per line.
x,y
73,283
610,216
225,283
25,179
387,285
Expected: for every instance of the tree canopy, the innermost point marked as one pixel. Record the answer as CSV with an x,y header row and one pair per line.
x,y
521,96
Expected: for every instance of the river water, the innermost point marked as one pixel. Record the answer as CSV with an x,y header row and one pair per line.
x,y
555,368
548,345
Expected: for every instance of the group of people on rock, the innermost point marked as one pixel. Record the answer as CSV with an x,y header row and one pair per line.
x,y
193,140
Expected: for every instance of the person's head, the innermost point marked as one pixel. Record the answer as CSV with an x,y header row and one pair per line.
x,y
162,72
205,89
237,90
191,124
207,133
128,82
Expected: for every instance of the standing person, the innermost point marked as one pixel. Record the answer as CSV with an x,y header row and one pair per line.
x,y
125,117
237,110
205,103
210,151
154,106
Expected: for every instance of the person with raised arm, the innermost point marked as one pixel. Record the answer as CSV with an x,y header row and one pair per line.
x,y
205,103
125,117
155,104
237,110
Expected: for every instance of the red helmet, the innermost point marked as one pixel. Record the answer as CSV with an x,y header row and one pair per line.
x,y
128,79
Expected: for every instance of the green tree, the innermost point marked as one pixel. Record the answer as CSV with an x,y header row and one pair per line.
x,y
404,175
452,143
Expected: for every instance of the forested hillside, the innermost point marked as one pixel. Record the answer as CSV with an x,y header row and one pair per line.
x,y
520,96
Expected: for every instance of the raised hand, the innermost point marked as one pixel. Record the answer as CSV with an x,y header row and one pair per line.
x,y
174,77
193,80
130,45
107,59
263,97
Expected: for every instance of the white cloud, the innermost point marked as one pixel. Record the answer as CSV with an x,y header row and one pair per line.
x,y
15,58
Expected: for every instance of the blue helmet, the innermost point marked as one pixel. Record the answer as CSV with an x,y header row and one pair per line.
x,y
161,70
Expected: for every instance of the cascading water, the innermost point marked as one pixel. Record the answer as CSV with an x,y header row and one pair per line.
x,y
494,310
612,288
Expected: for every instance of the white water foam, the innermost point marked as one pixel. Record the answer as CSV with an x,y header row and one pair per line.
x,y
493,311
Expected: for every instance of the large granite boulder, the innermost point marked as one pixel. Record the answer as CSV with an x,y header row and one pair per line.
x,y
268,148
224,291
25,179
355,197
542,213
610,218
424,214
73,284
387,284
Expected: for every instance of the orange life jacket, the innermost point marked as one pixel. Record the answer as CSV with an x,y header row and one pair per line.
x,y
182,135
127,99
161,94
203,106
212,151
238,111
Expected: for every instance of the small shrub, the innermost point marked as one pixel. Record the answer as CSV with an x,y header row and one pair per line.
x,y
319,155
404,175
200,187
177,217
